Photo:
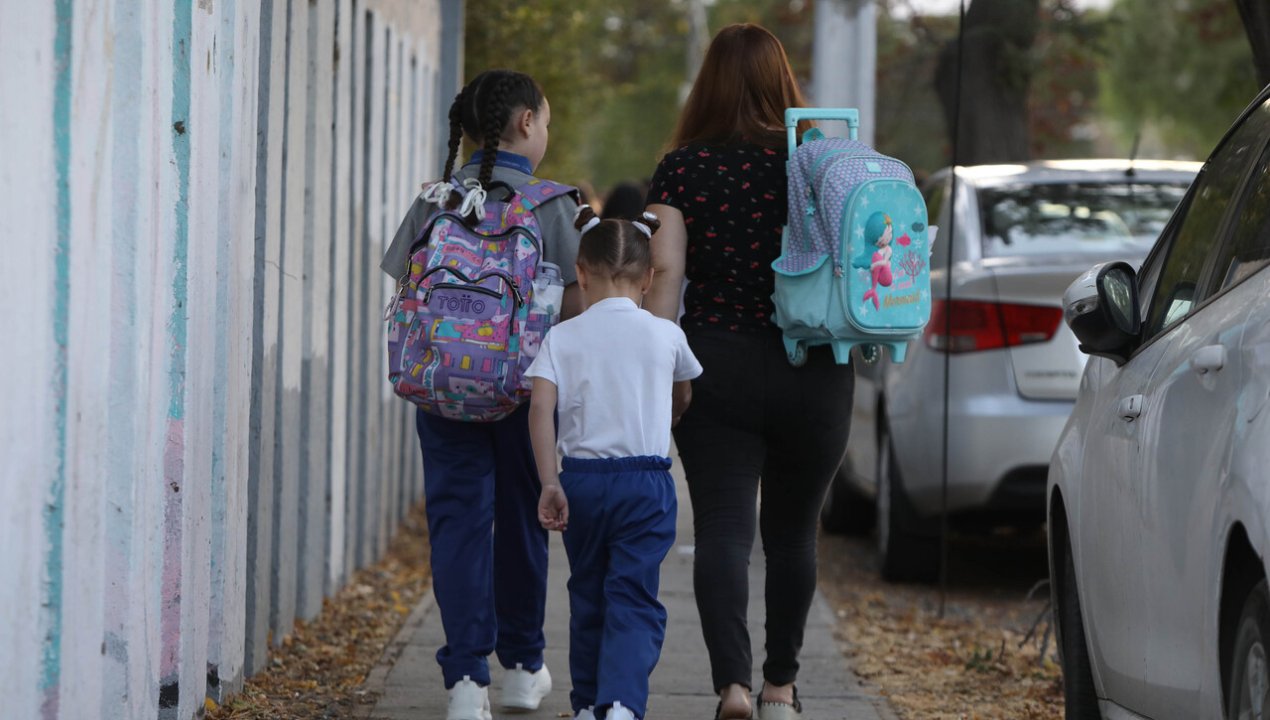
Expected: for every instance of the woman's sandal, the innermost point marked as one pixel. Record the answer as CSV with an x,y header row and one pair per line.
x,y
780,710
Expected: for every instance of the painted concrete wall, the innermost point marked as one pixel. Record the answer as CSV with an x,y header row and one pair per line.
x,y
197,442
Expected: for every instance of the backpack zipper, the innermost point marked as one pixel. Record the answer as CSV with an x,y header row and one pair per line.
x,y
472,284
466,288
820,161
455,216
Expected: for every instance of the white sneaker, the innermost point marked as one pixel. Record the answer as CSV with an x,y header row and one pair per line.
x,y
523,691
468,701
585,714
617,712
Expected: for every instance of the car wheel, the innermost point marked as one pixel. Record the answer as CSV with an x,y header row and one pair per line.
x,y
908,546
846,512
1079,697
1248,697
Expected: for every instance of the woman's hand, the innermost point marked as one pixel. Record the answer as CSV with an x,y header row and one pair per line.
x,y
553,508
670,251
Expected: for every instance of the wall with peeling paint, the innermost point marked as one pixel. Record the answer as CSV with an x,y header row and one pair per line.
x,y
197,442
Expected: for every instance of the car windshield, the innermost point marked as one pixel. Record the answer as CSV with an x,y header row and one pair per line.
x,y
1035,219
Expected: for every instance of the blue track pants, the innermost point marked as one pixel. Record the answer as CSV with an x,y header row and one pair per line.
x,y
489,553
621,525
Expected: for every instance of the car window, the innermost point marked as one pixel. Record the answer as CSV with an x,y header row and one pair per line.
x,y
1149,273
1114,215
1248,249
1194,237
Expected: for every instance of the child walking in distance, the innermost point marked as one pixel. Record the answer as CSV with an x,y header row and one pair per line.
x,y
489,553
619,378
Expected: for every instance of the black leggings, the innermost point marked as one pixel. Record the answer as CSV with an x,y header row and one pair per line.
x,y
754,415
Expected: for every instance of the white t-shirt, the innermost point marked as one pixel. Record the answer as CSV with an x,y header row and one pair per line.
x,y
613,367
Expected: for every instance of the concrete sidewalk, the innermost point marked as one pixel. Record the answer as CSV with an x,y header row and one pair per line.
x,y
409,680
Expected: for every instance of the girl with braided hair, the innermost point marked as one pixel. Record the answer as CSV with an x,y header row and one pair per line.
x,y
488,552
619,377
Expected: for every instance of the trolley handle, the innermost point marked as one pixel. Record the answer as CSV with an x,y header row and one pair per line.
x,y
795,115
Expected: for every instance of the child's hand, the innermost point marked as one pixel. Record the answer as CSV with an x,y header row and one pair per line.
x,y
553,508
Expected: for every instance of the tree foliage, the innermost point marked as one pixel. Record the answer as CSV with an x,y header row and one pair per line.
x,y
1183,67
615,73
612,71
553,41
1053,76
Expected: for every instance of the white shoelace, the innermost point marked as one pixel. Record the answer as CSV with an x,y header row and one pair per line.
x,y
438,193
474,200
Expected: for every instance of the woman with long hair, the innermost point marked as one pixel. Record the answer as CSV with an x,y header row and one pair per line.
x,y
758,427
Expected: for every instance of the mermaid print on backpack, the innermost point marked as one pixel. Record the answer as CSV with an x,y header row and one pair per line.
x,y
468,320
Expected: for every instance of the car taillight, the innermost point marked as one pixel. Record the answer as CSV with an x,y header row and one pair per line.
x,y
959,326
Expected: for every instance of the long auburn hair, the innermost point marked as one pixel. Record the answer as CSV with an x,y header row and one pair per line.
x,y
741,92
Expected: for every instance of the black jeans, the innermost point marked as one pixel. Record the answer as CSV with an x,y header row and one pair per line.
x,y
753,415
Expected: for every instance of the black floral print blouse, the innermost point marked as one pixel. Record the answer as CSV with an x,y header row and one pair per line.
x,y
734,205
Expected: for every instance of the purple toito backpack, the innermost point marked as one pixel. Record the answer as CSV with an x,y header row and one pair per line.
x,y
465,323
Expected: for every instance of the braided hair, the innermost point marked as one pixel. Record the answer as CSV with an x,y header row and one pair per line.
x,y
482,110
616,247
456,137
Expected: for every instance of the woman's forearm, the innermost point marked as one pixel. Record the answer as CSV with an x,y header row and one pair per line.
x,y
670,247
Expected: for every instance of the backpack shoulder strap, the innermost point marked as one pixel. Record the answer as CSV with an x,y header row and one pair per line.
x,y
536,192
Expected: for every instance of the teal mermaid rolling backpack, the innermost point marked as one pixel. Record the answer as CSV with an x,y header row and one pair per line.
x,y
854,267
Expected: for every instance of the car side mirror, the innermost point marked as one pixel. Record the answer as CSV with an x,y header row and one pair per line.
x,y
1101,307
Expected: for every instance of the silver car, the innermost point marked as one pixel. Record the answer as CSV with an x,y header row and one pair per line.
x,y
1159,505
1023,233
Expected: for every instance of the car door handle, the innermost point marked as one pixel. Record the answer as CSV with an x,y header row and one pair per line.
x,y
1209,358
1130,407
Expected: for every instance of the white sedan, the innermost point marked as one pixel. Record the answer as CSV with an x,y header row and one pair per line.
x,y
1159,488
1022,234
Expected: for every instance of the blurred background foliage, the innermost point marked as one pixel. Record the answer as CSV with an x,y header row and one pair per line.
x,y
1173,72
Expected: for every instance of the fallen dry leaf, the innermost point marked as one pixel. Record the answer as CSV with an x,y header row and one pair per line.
x,y
318,672
968,664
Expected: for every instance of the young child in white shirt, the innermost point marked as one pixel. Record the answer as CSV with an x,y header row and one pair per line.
x,y
618,377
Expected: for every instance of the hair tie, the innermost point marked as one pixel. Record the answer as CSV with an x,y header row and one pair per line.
x,y
590,224
644,228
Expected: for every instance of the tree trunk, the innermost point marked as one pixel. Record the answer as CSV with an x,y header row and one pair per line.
x,y
995,75
1256,17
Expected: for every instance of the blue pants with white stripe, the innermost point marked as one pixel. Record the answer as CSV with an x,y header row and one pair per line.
x,y
621,525
489,553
